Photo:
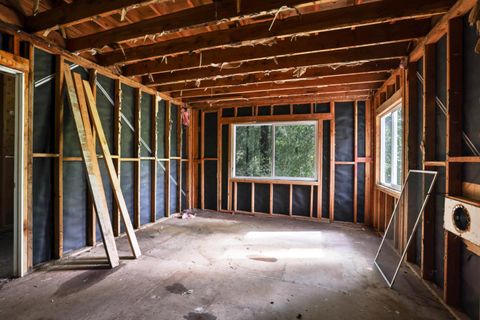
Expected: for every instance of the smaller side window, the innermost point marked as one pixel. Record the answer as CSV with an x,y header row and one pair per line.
x,y
391,145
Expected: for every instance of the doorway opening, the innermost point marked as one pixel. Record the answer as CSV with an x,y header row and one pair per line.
x,y
11,172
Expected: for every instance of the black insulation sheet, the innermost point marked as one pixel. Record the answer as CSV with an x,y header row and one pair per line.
x,y
360,192
104,99
264,110
262,198
344,193
162,106
344,135
244,112
44,103
301,201
322,107
361,128
281,198
160,196
174,181
244,197
145,190
315,202
174,123
128,122
326,170
228,112
225,144
127,182
42,210
210,133
301,108
75,188
210,183
470,286
108,193
281,109
184,142
439,198
184,203
146,125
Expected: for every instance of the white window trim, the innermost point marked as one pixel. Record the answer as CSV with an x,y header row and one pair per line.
x,y
394,168
273,124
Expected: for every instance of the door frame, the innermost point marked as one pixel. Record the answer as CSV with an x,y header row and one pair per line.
x,y
19,67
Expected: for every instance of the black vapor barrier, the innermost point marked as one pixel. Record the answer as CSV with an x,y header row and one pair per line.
x,y
146,125
160,196
301,108
244,197
210,135
183,195
145,190
301,201
326,171
262,198
210,183
162,106
361,128
344,178
225,145
127,144
281,196
441,99
344,135
43,142
127,182
105,105
244,112
174,186
174,123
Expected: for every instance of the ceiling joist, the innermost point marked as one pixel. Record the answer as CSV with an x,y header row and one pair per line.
x,y
275,76
210,13
325,41
348,17
272,86
333,58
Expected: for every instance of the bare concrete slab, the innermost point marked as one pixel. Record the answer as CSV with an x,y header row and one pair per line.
x,y
218,266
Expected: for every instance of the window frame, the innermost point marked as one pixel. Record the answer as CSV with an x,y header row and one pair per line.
x,y
274,124
397,105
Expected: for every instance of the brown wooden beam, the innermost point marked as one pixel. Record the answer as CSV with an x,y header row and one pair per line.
x,y
331,58
325,41
275,100
338,83
347,17
281,75
460,8
205,14
76,12
354,89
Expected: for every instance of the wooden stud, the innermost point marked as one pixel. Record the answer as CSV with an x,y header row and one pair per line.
x,y
114,181
58,162
137,174
153,135
332,162
117,145
167,155
428,222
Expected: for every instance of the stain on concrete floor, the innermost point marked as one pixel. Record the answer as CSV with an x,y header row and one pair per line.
x,y
233,267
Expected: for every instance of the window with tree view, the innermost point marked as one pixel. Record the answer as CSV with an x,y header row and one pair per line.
x,y
275,151
391,148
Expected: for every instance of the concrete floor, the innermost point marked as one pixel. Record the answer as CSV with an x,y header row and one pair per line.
x,y
218,266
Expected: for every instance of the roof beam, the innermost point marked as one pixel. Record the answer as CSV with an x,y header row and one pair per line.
x,y
347,17
272,86
277,100
331,58
342,88
312,72
210,13
325,41
76,12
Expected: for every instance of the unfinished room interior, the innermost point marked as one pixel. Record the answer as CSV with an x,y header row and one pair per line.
x,y
239,159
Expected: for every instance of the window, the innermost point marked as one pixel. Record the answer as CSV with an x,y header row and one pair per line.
x,y
391,148
275,151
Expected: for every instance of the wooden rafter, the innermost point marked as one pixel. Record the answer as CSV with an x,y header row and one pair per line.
x,y
348,17
282,75
353,88
272,86
278,100
79,11
205,14
325,41
331,58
